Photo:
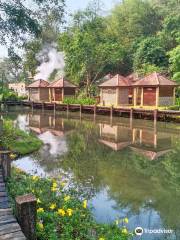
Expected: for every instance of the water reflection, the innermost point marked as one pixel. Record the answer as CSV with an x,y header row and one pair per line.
x,y
110,161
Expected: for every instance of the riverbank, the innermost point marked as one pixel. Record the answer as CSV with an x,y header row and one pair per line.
x,y
17,140
62,212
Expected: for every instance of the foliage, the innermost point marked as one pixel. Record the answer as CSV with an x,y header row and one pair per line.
x,y
150,51
17,140
7,95
147,69
19,19
175,63
88,50
83,101
62,211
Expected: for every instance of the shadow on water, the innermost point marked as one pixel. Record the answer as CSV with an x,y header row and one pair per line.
x,y
128,169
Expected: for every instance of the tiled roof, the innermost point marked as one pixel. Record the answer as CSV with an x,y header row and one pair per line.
x,y
116,81
38,83
155,79
60,83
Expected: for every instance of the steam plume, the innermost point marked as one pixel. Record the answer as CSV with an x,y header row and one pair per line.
x,y
50,60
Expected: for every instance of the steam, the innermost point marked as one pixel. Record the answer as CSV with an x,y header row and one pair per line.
x,y
50,60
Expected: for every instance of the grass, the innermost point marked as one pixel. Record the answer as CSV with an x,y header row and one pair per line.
x,y
17,140
62,211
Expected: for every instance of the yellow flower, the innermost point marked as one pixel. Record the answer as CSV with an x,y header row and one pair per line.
x,y
101,238
40,210
67,198
38,200
12,156
35,178
69,212
125,231
126,220
117,222
52,206
41,226
54,189
54,185
61,212
85,204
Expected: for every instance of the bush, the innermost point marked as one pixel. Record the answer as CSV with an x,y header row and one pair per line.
x,y
7,95
17,140
83,101
61,212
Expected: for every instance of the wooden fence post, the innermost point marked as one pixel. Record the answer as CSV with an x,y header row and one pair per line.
x,y
67,110
6,165
80,108
131,117
26,212
54,108
95,109
155,117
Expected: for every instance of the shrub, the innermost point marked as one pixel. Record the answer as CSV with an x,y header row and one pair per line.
x,y
83,101
61,214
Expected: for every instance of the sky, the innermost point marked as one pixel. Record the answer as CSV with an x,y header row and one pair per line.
x,y
73,5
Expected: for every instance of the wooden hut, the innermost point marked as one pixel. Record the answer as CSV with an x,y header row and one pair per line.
x,y
115,91
154,90
38,91
60,89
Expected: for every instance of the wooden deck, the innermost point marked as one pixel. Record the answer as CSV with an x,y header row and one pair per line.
x,y
128,111
9,227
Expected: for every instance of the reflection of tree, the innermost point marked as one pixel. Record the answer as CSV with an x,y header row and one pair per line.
x,y
132,180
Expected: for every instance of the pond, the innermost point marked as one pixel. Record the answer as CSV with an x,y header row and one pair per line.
x,y
128,169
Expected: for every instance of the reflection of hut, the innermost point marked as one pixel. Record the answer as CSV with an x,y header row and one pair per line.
x,y
43,123
154,90
38,122
60,89
115,137
115,91
38,91
150,143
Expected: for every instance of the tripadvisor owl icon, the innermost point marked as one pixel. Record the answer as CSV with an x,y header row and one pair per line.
x,y
139,231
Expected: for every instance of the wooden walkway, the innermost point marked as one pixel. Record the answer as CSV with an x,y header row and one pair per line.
x,y
9,227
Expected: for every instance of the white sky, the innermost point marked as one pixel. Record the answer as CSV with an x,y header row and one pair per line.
x,y
72,5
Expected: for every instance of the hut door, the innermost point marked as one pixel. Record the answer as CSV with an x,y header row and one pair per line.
x,y
149,97
58,94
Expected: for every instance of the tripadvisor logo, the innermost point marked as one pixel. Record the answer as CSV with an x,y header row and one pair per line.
x,y
139,231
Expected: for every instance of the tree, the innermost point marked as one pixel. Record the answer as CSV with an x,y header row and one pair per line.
x,y
150,51
19,20
88,51
175,63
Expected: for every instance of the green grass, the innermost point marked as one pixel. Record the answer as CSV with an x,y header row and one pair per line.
x,y
82,101
17,140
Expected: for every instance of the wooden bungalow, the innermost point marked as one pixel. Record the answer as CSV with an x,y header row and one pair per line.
x,y
115,91
60,89
38,91
154,90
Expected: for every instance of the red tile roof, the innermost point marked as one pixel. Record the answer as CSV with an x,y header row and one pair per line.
x,y
155,79
60,83
38,84
116,81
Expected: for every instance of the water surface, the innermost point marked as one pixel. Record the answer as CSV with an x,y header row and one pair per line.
x,y
129,169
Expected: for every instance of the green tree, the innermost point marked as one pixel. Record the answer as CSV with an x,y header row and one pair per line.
x,y
88,50
150,51
175,63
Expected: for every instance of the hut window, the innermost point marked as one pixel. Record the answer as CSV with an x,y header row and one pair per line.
x,y
109,91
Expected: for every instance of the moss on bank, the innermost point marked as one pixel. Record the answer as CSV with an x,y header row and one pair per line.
x,y
62,212
17,140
